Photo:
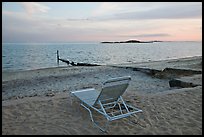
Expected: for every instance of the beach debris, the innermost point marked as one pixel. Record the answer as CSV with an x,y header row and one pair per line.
x,y
167,73
35,94
179,83
73,63
50,94
173,74
147,71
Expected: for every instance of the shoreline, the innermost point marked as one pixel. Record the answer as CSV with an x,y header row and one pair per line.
x,y
65,66
5,73
61,79
39,101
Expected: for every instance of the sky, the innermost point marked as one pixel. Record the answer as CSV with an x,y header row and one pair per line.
x,y
101,21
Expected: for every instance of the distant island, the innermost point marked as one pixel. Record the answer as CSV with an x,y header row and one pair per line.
x,y
131,41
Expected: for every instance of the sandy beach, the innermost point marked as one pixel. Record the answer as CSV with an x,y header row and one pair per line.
x,y
39,102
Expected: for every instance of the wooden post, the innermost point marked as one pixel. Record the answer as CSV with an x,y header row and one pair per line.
x,y
57,57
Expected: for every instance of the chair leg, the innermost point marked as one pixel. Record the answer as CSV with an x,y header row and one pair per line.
x,y
97,125
137,122
105,129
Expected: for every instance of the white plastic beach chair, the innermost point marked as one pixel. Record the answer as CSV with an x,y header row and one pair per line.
x,y
108,102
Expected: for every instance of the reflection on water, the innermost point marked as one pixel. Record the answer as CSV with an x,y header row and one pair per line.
x,y
25,56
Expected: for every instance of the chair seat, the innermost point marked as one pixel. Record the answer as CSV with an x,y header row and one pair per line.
x,y
88,96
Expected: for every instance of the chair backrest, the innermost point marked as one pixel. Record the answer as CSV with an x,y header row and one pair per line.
x,y
113,88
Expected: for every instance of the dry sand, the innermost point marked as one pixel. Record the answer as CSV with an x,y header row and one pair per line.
x,y
39,102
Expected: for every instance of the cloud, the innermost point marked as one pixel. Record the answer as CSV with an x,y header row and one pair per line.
x,y
20,27
107,8
148,35
163,13
149,10
135,21
34,7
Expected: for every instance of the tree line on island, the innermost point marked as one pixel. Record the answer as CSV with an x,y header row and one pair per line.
x,y
131,41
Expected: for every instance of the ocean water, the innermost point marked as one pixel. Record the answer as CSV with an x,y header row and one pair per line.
x,y
28,56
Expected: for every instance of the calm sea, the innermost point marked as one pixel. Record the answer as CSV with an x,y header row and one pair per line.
x,y
28,56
